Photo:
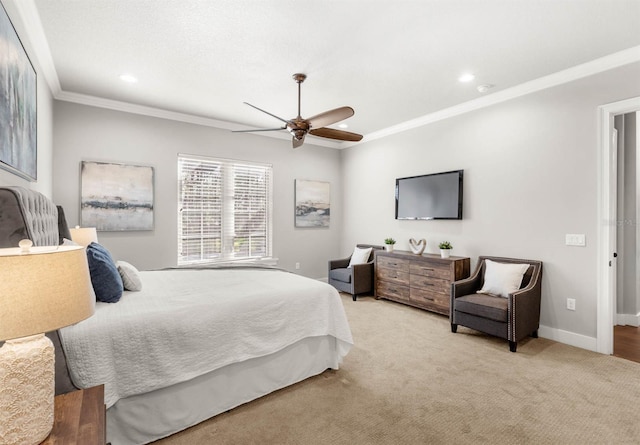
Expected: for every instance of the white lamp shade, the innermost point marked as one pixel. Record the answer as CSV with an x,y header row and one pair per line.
x,y
84,235
43,290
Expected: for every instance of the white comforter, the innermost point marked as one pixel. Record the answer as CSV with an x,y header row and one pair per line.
x,y
185,323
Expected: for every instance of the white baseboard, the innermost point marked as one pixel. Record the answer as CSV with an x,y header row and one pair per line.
x,y
628,319
569,338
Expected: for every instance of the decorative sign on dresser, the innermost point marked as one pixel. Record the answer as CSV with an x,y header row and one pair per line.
x,y
423,281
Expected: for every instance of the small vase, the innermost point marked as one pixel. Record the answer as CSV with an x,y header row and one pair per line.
x,y
445,253
388,247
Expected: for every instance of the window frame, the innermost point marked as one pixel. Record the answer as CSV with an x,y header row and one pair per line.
x,y
232,184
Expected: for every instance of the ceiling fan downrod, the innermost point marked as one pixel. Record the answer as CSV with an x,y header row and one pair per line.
x,y
299,78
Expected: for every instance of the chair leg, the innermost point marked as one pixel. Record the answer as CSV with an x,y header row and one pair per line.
x,y
355,297
454,328
512,346
534,334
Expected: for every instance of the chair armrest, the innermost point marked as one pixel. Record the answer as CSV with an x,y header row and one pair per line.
x,y
339,264
362,277
461,288
466,286
525,307
362,268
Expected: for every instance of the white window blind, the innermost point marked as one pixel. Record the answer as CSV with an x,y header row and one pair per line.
x,y
224,210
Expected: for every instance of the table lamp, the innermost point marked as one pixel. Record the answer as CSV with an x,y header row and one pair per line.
x,y
42,289
84,235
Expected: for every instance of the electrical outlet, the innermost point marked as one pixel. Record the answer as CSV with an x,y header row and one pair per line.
x,y
571,304
297,266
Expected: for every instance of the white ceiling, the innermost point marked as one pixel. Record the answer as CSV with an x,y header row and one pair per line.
x,y
392,61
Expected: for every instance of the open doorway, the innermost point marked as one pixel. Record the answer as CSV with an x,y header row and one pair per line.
x,y
626,338
608,223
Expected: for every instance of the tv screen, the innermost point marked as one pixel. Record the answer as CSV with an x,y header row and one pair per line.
x,y
434,196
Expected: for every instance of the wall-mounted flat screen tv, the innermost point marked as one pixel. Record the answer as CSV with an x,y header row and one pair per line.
x,y
433,196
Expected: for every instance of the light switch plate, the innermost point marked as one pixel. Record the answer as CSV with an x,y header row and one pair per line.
x,y
575,239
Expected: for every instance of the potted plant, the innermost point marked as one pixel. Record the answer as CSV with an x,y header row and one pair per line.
x,y
388,244
445,249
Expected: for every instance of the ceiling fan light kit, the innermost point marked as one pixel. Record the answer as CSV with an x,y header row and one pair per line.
x,y
316,125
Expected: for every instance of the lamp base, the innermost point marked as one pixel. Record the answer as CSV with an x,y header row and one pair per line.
x,y
27,390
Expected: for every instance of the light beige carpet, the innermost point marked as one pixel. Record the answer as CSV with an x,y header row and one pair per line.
x,y
409,380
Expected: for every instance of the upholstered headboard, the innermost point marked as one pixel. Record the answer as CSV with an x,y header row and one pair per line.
x,y
29,214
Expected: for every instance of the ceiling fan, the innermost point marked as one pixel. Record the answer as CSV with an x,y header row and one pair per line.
x,y
316,125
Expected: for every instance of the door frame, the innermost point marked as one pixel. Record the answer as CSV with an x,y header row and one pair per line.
x,y
607,195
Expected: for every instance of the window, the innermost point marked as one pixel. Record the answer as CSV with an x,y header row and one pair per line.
x,y
224,210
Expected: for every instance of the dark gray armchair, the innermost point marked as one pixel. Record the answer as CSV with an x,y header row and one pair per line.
x,y
354,280
512,318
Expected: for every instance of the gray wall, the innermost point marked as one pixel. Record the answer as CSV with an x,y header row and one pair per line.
x,y
530,178
44,183
88,133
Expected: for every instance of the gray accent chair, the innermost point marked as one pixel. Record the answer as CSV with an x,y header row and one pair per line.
x,y
353,280
513,318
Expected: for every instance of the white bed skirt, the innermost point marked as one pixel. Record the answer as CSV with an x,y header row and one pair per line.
x,y
147,417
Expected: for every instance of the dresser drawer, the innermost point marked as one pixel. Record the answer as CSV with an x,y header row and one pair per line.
x,y
390,262
434,301
384,274
392,290
430,284
434,270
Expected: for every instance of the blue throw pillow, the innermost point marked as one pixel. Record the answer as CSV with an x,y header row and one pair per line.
x,y
105,278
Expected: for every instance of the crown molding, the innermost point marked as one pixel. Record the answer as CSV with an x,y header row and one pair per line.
x,y
160,113
31,19
596,66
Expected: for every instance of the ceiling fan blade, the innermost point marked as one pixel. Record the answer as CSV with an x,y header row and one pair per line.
x,y
266,112
297,142
335,134
259,129
330,117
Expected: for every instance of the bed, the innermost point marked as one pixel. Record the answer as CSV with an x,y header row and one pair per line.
x,y
192,343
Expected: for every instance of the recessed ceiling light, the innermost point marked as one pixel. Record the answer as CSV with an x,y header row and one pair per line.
x,y
343,126
129,78
484,88
467,77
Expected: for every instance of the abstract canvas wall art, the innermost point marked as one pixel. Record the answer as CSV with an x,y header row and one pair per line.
x,y
18,103
116,197
313,202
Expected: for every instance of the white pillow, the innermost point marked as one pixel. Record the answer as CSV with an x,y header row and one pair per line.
x,y
130,277
360,256
68,242
501,279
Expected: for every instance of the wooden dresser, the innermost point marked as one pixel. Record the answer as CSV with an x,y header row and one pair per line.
x,y
423,281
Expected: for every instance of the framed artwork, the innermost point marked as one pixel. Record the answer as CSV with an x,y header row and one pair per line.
x,y
313,202
18,103
116,197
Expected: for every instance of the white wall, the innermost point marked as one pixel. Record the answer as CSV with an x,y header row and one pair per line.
x,y
530,178
44,182
88,133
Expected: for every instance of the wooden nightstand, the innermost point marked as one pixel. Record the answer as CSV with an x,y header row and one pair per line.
x,y
79,418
